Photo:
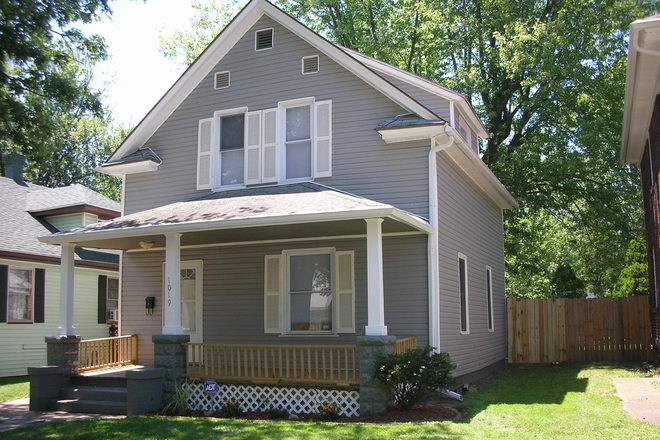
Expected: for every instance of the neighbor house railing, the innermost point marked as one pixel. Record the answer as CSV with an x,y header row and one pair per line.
x,y
403,345
107,352
301,364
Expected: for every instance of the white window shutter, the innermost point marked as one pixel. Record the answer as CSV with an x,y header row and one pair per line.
x,y
269,145
272,294
345,292
252,148
204,154
323,139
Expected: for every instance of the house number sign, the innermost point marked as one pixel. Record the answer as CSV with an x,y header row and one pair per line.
x,y
169,290
211,387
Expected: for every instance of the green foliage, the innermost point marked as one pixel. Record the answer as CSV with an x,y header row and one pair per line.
x,y
410,374
565,284
277,413
231,408
328,411
634,279
179,403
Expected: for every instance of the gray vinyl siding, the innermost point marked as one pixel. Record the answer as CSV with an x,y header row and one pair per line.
x,y
437,105
233,301
471,225
361,164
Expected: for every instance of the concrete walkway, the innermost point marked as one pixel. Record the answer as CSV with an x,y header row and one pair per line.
x,y
15,414
640,399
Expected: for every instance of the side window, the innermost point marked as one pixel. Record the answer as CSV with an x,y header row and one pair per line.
x,y
20,295
463,293
489,298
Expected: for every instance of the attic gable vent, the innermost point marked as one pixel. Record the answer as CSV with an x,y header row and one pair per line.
x,y
221,80
263,39
310,65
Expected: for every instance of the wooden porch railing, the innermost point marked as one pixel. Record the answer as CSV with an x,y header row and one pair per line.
x,y
403,345
107,352
300,364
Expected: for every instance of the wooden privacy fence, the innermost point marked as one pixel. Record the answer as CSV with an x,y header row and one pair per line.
x,y
579,330
107,352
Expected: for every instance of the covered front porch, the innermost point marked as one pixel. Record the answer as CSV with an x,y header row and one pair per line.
x,y
225,240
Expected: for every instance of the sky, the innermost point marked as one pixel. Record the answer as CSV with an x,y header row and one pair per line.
x,y
137,75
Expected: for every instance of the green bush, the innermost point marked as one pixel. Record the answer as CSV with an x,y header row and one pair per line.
x,y
179,403
278,413
328,411
231,408
411,374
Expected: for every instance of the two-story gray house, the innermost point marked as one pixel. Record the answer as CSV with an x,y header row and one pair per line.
x,y
287,191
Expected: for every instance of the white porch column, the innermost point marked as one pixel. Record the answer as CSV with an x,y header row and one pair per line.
x,y
67,265
375,293
172,285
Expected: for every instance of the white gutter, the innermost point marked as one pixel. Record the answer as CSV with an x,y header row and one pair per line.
x,y
433,245
641,49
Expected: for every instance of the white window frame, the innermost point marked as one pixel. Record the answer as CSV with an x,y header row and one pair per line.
x,y
216,156
31,296
282,107
489,299
465,330
287,254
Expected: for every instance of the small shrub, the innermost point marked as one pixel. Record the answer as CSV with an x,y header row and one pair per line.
x,y
411,374
278,413
231,408
179,403
328,411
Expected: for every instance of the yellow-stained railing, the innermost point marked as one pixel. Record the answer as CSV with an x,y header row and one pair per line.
x,y
300,364
107,352
403,345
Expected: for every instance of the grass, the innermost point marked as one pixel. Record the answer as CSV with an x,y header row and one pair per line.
x,y
531,402
12,388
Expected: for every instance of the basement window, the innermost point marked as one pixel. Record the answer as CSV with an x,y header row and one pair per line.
x,y
263,39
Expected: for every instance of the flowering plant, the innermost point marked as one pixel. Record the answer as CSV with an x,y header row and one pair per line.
x,y
329,411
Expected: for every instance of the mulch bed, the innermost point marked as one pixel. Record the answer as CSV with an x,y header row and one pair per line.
x,y
421,412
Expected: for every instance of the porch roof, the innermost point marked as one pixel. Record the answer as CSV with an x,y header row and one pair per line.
x,y
302,210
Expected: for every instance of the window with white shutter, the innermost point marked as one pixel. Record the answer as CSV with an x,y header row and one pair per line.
x,y
345,292
272,294
204,159
323,139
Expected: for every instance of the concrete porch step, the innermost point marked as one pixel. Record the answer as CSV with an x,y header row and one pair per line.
x,y
95,393
98,382
88,406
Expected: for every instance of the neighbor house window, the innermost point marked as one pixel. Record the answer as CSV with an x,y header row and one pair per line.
x,y
112,299
310,292
463,293
20,295
489,297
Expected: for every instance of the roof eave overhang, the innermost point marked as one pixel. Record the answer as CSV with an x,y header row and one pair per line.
x,y
410,133
80,238
121,169
642,85
219,48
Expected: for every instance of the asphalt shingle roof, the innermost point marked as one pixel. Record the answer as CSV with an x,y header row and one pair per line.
x,y
74,195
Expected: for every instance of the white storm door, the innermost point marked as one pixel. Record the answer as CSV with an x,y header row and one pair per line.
x,y
192,282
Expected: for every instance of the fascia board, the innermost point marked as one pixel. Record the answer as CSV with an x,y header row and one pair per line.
x,y
205,225
219,48
642,86
479,172
433,88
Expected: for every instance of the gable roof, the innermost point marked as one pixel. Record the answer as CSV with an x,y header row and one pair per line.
x,y
19,230
228,38
50,201
642,86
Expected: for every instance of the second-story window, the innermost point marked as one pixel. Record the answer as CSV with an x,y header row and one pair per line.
x,y
232,132
298,141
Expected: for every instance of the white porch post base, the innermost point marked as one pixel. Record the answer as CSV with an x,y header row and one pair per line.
x,y
172,306
67,266
375,330
375,290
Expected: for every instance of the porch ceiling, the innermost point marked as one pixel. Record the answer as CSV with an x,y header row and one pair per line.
x,y
270,213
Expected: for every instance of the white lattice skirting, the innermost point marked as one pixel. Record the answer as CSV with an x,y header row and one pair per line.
x,y
261,398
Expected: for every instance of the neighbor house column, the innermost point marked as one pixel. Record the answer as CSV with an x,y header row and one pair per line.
x,y
66,327
375,292
172,285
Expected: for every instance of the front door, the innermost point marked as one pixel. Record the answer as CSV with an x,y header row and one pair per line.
x,y
192,282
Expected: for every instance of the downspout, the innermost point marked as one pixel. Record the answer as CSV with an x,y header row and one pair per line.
x,y
641,49
433,244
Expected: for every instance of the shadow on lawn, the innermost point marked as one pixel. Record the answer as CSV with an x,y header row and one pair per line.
x,y
528,385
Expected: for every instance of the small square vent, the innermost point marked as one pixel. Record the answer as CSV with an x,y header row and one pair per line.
x,y
310,65
263,39
221,80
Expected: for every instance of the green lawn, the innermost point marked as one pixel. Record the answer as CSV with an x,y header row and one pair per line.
x,y
540,402
12,388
